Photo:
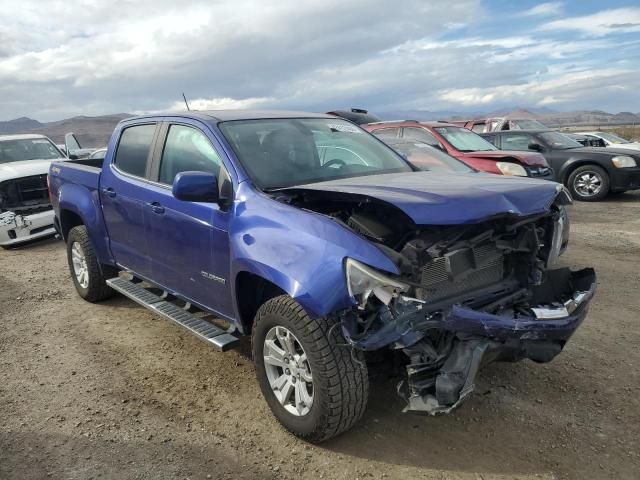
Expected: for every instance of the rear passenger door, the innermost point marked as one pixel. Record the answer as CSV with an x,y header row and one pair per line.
x,y
123,188
188,241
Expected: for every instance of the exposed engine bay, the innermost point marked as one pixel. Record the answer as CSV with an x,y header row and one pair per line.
x,y
25,196
25,209
466,294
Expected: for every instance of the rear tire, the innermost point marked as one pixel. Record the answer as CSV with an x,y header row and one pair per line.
x,y
334,377
588,183
86,272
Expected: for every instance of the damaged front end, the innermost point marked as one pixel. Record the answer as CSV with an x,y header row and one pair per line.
x,y
466,295
25,210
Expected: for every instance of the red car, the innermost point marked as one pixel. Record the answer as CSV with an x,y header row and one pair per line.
x,y
466,146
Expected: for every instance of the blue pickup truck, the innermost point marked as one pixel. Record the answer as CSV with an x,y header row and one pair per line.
x,y
322,243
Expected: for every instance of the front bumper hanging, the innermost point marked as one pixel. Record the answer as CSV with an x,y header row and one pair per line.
x,y
480,338
16,228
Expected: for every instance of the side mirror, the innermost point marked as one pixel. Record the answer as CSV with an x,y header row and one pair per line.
x,y
73,156
196,187
535,147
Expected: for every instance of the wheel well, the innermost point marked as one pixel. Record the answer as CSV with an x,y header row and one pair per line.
x,y
580,163
251,292
68,220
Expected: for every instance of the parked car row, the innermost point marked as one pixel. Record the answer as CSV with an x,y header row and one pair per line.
x,y
520,147
466,146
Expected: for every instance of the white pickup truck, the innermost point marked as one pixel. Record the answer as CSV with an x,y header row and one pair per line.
x,y
25,209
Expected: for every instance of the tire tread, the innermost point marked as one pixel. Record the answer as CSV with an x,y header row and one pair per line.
x,y
98,289
343,375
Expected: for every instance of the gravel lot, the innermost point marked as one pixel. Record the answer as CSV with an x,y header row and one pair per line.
x,y
110,391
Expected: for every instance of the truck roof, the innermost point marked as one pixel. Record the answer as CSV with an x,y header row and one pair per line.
x,y
227,115
21,136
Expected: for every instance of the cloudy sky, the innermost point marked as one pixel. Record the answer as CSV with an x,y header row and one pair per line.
x,y
93,57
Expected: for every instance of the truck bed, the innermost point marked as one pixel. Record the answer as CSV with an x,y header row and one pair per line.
x,y
85,172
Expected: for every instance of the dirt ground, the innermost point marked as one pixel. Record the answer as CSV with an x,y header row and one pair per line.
x,y
111,391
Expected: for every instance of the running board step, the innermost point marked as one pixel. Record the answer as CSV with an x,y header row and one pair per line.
x,y
206,331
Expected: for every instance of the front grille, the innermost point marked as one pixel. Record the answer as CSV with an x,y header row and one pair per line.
x,y
539,171
24,192
439,279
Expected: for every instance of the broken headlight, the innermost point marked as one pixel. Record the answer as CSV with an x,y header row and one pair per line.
x,y
362,281
512,169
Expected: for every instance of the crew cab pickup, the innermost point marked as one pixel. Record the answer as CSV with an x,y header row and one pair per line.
x,y
322,243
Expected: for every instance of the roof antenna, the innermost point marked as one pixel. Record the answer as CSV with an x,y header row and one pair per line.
x,y
185,101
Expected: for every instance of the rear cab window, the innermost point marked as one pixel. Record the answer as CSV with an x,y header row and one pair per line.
x,y
133,150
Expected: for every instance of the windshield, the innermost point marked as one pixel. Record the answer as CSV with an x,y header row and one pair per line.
x,y
610,137
465,140
428,158
280,153
559,141
28,149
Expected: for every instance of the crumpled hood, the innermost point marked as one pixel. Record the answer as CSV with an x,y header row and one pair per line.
x,y
533,159
25,168
432,198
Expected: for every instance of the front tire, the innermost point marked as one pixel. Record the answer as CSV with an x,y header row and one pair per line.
x,y
589,183
316,388
84,266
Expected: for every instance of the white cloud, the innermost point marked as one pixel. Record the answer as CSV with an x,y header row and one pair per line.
x,y
565,89
219,103
619,20
544,10
141,55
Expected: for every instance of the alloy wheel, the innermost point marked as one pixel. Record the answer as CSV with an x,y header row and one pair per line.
x,y
288,371
79,261
588,184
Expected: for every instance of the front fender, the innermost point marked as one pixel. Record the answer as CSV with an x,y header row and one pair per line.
x,y
301,252
85,204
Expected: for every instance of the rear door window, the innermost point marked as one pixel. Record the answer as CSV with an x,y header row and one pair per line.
x,y
519,142
420,134
386,133
492,138
133,149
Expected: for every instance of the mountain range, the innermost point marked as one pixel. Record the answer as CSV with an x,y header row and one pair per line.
x,y
90,131
551,118
95,131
